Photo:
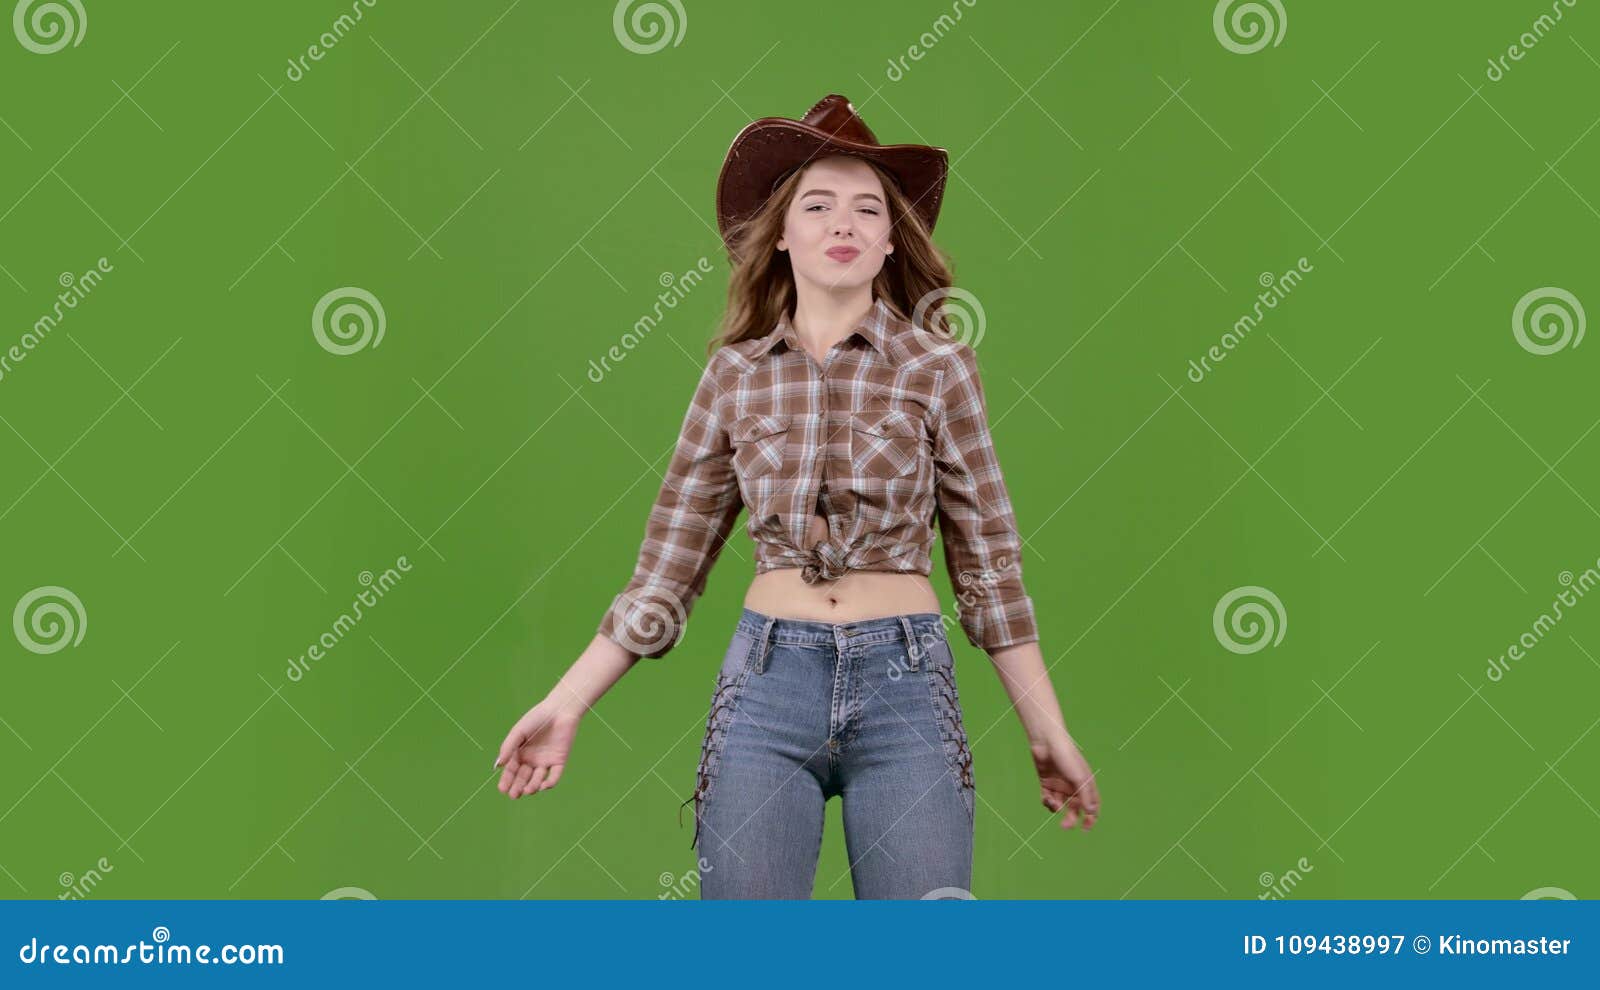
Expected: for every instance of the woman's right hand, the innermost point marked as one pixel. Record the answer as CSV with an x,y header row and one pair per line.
x,y
536,749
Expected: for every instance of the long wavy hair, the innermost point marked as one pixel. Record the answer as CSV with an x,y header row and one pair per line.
x,y
761,287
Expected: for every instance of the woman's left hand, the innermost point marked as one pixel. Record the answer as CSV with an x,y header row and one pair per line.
x,y
1065,781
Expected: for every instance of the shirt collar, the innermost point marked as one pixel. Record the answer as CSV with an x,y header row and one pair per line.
x,y
874,328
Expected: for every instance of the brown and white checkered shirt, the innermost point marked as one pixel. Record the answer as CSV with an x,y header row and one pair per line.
x,y
889,434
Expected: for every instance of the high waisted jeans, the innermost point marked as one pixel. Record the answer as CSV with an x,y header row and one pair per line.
x,y
804,711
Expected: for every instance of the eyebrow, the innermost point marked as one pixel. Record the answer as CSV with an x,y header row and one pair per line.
x,y
829,192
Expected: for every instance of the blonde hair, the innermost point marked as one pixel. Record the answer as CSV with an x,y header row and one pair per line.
x,y
761,287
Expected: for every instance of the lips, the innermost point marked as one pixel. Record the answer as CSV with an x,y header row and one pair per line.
x,y
843,253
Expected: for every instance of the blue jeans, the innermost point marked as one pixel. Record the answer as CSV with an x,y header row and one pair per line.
x,y
804,711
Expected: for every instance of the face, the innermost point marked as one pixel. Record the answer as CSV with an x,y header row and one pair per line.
x,y
836,229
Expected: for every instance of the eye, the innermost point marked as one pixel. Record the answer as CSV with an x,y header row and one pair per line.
x,y
869,210
815,206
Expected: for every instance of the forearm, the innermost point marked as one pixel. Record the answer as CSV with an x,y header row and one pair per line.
x,y
1027,682
600,666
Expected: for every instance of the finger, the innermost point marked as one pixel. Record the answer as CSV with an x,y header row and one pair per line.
x,y
555,775
536,779
508,776
508,749
1088,810
1071,816
519,786
509,773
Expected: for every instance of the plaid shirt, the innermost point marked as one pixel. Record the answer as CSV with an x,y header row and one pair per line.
x,y
893,427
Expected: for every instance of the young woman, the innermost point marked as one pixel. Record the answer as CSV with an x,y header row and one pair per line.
x,y
848,429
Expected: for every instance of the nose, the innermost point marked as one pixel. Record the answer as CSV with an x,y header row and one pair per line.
x,y
842,226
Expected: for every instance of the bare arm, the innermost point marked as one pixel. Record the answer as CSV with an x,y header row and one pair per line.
x,y
597,669
1065,780
983,553
535,751
693,513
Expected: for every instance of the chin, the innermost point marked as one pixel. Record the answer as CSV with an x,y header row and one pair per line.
x,y
837,276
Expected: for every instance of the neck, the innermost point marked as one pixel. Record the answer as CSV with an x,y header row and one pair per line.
x,y
823,317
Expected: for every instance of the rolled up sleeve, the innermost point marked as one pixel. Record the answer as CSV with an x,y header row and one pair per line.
x,y
689,523
982,547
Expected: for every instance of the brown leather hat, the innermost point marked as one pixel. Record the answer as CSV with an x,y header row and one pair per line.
x,y
767,150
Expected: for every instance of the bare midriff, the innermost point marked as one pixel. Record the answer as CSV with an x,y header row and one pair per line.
x,y
859,595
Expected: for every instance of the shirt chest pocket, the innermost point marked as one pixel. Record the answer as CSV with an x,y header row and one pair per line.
x,y
885,444
759,443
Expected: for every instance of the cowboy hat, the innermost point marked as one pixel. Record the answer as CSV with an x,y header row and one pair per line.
x,y
766,151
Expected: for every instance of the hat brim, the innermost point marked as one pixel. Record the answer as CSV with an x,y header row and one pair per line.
x,y
766,149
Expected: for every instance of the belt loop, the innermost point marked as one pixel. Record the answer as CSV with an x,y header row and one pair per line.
x,y
912,646
765,645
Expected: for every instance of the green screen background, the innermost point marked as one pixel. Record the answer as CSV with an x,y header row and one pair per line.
x,y
516,186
